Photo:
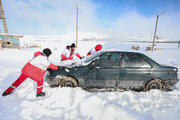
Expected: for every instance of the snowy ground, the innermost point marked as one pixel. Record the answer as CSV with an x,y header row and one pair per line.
x,y
77,104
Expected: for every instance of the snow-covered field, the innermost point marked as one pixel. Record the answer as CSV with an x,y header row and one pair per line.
x,y
77,104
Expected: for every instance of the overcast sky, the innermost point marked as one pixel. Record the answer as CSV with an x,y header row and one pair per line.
x,y
110,17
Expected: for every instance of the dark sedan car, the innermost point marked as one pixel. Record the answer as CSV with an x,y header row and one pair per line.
x,y
115,69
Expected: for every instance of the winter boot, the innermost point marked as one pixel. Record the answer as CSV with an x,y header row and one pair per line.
x,y
41,94
4,94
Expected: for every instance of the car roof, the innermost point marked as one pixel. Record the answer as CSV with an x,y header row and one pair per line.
x,y
118,51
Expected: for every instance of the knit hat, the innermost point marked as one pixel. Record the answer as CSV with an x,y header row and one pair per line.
x,y
73,45
98,47
47,52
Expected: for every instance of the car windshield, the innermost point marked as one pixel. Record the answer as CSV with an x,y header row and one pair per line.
x,y
79,62
89,58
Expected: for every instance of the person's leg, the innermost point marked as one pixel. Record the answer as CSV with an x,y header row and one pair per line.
x,y
39,86
39,89
21,78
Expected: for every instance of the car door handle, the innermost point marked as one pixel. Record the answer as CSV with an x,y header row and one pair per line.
x,y
115,74
97,67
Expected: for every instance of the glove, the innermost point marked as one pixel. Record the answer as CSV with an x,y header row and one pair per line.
x,y
81,57
49,69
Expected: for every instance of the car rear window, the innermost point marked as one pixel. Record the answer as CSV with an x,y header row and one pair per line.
x,y
135,61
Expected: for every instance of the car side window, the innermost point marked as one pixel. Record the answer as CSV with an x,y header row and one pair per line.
x,y
145,64
110,60
135,61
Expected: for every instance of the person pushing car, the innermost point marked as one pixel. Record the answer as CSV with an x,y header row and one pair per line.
x,y
69,53
73,52
34,69
95,49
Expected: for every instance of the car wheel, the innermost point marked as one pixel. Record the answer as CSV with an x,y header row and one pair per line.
x,y
153,84
69,82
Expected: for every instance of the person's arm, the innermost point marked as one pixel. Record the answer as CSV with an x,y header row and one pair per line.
x,y
89,53
63,57
52,66
77,54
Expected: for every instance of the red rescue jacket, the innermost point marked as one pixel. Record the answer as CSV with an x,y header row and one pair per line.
x,y
68,54
95,49
37,66
65,54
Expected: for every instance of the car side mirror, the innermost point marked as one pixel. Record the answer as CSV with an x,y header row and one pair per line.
x,y
94,66
91,65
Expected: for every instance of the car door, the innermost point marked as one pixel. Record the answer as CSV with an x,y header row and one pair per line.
x,y
92,75
105,70
134,71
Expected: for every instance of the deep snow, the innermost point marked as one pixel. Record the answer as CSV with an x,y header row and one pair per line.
x,y
78,104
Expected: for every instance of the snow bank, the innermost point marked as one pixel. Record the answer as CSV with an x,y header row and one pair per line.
x,y
78,104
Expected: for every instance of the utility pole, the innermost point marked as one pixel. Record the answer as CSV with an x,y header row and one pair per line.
x,y
77,27
157,18
0,44
179,44
3,18
155,32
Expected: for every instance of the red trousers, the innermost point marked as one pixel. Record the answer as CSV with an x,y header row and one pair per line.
x,y
21,79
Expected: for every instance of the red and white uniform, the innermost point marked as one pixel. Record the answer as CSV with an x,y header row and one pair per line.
x,y
65,54
68,55
72,55
34,69
93,50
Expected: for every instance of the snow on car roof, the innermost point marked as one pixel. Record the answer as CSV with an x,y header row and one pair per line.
x,y
110,50
87,59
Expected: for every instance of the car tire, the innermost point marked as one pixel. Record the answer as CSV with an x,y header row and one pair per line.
x,y
153,84
68,82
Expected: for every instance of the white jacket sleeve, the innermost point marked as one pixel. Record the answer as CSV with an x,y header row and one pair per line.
x,y
92,50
